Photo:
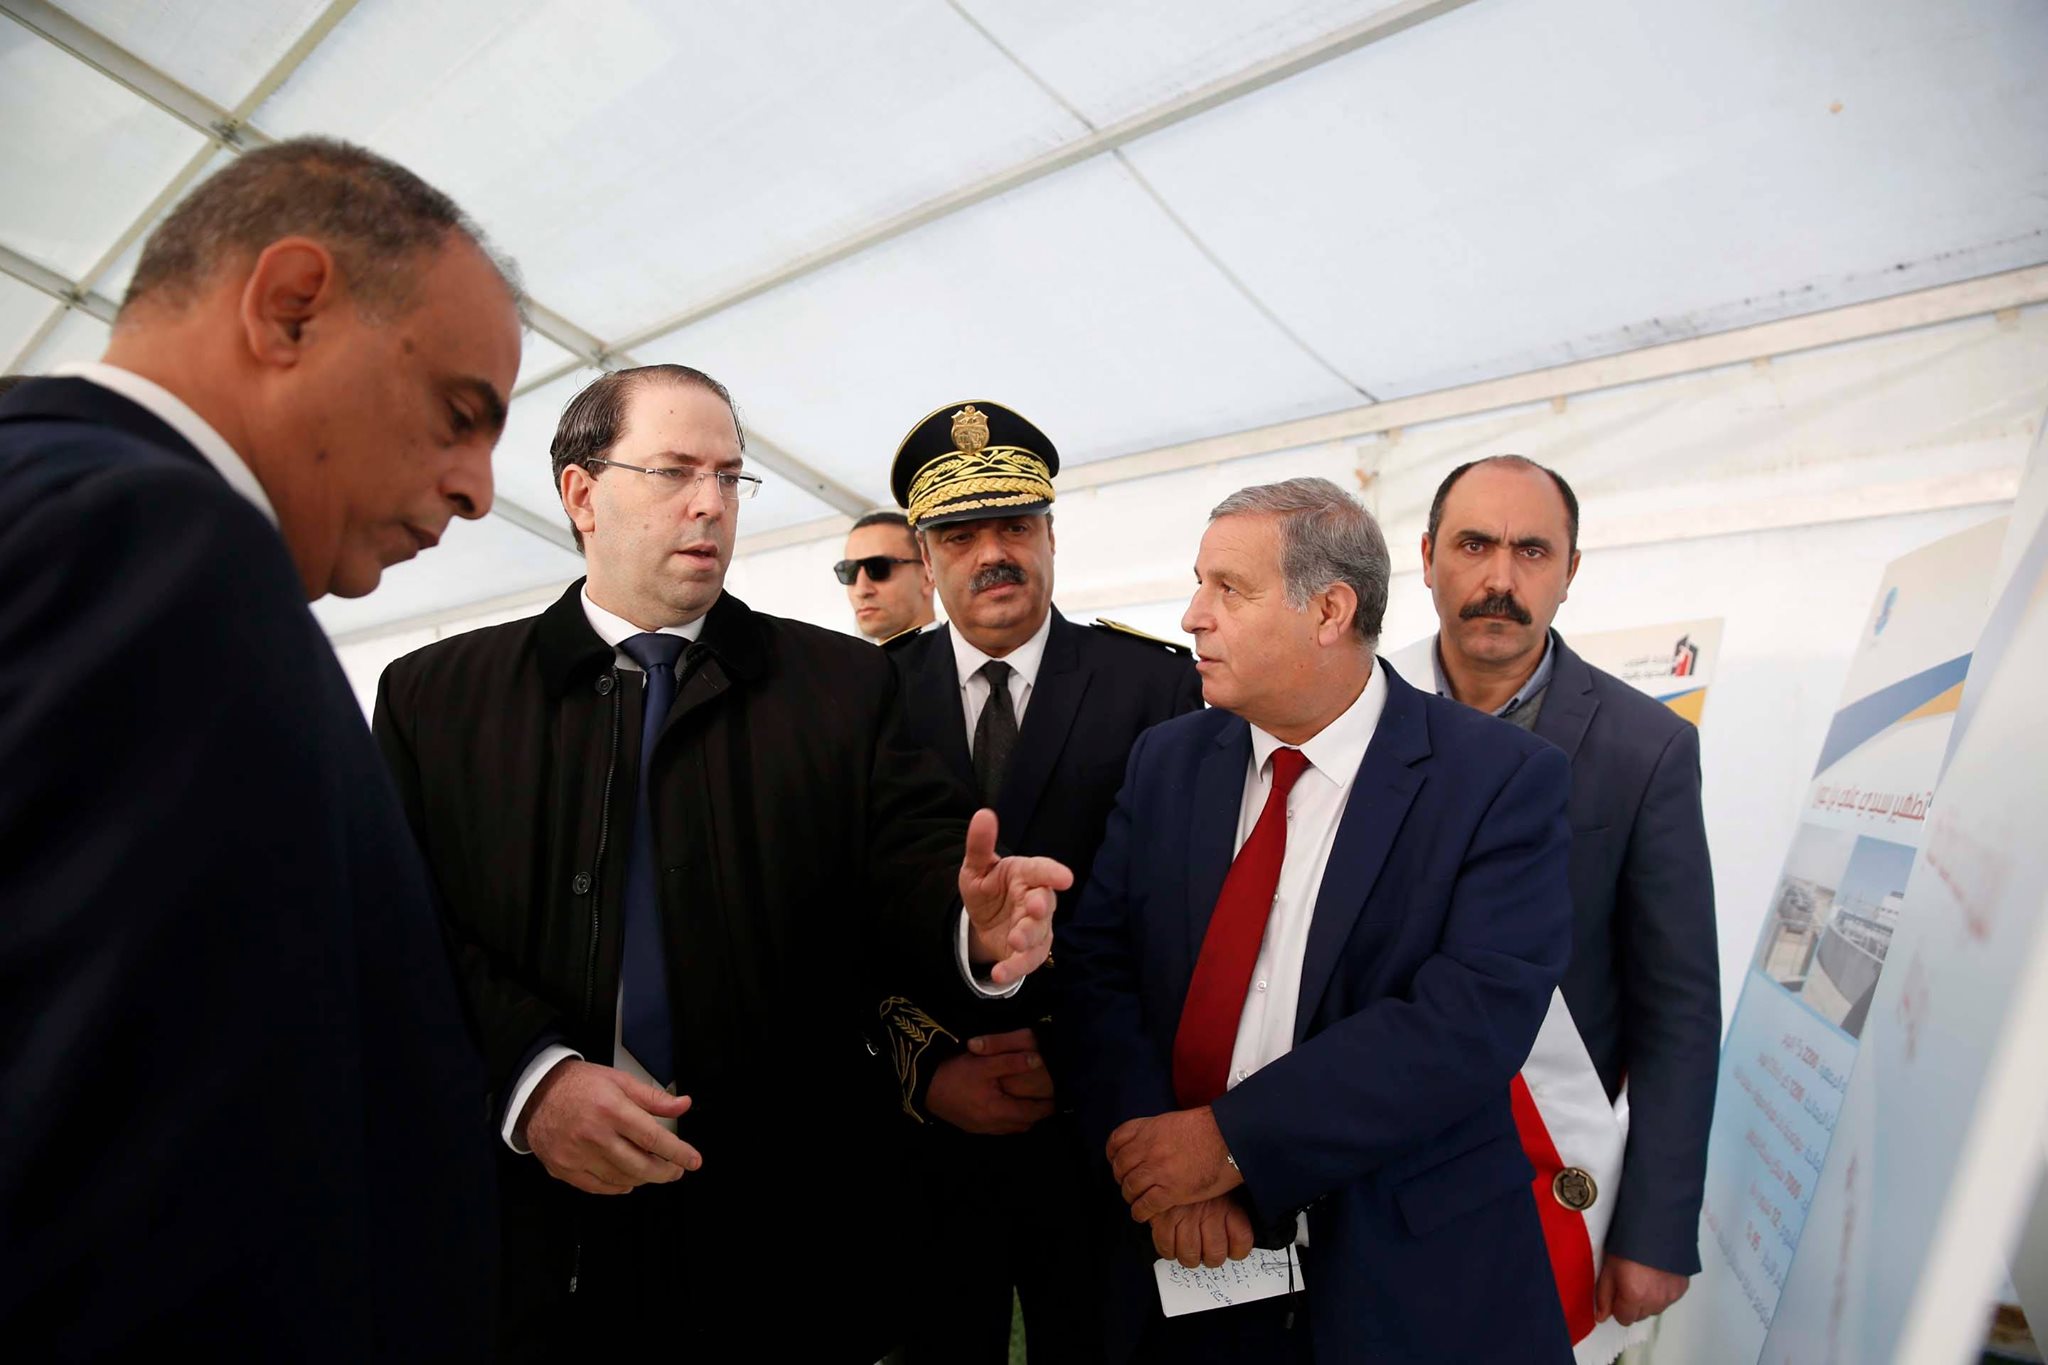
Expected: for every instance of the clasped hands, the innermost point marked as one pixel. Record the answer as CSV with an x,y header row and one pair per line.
x,y
1176,1174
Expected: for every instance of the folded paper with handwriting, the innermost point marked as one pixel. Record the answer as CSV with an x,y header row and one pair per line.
x,y
1260,1275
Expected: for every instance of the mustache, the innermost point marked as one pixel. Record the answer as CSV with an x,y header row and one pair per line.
x,y
996,575
1501,604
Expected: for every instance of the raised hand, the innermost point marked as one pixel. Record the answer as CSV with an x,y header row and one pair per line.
x,y
1009,903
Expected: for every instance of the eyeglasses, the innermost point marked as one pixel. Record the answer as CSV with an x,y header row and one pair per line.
x,y
879,568
731,486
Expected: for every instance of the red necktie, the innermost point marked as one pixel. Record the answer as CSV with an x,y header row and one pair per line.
x,y
1230,949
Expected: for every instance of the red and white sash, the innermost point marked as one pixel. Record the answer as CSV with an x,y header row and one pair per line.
x,y
1567,1123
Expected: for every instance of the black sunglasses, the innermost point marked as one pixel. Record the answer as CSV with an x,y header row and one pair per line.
x,y
879,568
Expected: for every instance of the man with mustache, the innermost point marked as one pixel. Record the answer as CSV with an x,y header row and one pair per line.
x,y
668,830
1035,716
240,1118
1640,1003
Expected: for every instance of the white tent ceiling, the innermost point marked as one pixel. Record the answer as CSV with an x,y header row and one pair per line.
x,y
1141,222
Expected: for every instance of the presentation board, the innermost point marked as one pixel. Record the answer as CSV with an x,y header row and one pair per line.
x,y
1826,939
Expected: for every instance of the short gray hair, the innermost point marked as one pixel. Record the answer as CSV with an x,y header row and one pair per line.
x,y
376,217
1326,538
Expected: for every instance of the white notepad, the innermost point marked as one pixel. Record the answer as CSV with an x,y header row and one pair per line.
x,y
1261,1275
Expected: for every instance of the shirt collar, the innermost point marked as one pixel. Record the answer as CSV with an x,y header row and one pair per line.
x,y
1338,748
1025,658
615,630
1538,680
176,414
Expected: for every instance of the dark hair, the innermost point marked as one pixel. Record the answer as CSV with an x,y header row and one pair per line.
x,y
9,382
886,516
1326,537
374,215
1564,490
595,418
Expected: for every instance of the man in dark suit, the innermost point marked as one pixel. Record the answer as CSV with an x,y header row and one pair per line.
x,y
1046,750
668,831
1319,939
1641,1001
240,1115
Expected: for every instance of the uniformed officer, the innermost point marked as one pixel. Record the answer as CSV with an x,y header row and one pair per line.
x,y
1036,716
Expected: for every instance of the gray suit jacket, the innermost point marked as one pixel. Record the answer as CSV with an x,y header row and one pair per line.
x,y
1644,980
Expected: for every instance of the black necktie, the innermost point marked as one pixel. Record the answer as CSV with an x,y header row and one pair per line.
x,y
643,971
995,734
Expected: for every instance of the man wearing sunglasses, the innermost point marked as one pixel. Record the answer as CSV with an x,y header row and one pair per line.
x,y
1036,716
667,830
887,582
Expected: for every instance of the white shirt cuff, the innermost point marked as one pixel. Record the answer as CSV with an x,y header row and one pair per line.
x,y
982,986
521,1093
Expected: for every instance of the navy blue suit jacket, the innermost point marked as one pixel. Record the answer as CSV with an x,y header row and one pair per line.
x,y
1442,925
240,1114
1644,985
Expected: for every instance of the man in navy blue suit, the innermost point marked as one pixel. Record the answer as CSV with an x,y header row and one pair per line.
x,y
1323,930
240,1114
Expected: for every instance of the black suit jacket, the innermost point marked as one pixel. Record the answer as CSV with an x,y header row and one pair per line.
x,y
795,830
1097,690
1644,981
239,1110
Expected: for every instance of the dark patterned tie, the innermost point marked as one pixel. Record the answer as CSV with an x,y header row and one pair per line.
x,y
995,734
643,972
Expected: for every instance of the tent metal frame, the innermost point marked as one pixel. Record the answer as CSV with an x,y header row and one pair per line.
x,y
233,130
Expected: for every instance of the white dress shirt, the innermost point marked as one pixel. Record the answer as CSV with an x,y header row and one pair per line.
x,y
176,414
1315,807
1023,661
974,691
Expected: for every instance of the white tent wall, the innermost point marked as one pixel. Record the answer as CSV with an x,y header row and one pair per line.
x,y
1769,493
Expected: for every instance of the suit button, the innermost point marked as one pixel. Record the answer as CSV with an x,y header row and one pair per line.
x,y
604,684
580,884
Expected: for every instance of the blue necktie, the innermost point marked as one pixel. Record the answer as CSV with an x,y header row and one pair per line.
x,y
644,970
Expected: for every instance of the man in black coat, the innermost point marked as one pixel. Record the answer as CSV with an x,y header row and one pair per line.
x,y
1046,750
1641,999
668,832
240,1116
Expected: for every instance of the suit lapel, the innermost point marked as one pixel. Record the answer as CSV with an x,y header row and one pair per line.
x,y
1569,705
1055,702
1380,796
1212,831
935,706
81,400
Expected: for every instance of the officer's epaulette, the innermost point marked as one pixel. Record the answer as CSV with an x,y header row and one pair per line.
x,y
1132,632
902,638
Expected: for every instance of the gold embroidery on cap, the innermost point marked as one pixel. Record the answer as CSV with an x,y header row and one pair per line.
x,y
949,482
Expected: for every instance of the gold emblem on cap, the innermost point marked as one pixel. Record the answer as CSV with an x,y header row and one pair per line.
x,y
1574,1188
970,429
